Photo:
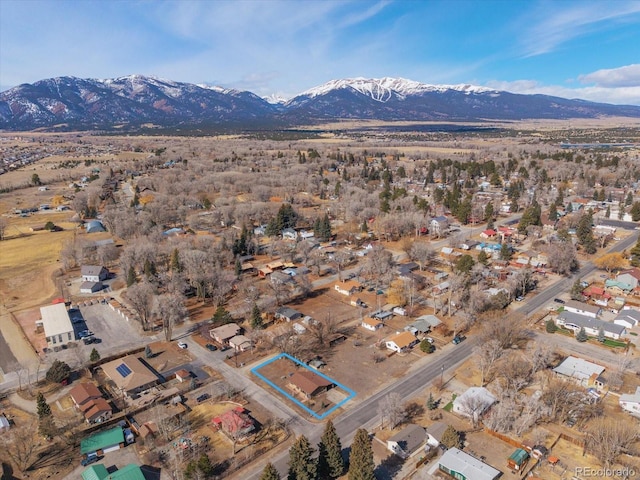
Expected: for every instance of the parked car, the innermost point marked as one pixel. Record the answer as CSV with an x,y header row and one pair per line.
x,y
558,300
519,298
89,340
89,459
85,333
202,398
211,347
457,339
182,345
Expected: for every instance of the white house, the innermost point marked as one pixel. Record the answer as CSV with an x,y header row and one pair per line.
x,y
462,466
371,324
434,433
347,288
630,402
627,317
592,326
58,329
94,273
289,234
474,402
582,308
578,369
401,342
407,440
438,225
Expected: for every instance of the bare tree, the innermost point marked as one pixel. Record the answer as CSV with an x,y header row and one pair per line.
x,y
4,223
171,309
141,298
606,440
322,329
488,354
21,445
422,253
391,407
509,330
515,373
379,265
562,258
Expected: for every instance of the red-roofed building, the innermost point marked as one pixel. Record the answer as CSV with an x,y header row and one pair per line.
x,y
488,233
235,423
83,393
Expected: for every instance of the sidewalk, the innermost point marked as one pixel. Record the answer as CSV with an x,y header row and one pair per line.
x,y
31,406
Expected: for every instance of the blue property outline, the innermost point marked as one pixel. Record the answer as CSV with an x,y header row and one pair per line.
x,y
351,393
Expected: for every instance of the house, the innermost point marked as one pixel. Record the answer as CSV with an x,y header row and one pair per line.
x,y
462,466
103,442
518,459
95,472
578,369
627,317
235,423
259,230
223,333
371,324
97,411
240,343
488,233
99,472
58,329
582,308
407,440
83,393
347,288
441,288
282,278
473,402
401,341
597,294
264,272
91,287
94,226
130,375
630,277
438,226
183,375
630,402
289,234
423,325
592,326
94,273
434,434
288,314
309,384
618,287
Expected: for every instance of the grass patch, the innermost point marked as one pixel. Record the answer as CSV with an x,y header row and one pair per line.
x,y
449,406
633,333
613,343
565,331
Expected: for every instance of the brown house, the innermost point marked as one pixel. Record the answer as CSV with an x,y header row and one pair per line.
x,y
83,393
309,384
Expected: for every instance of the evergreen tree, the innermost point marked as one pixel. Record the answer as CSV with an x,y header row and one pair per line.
x,y
584,233
581,336
269,472
94,356
43,408
431,403
58,372
505,252
465,263
601,337
607,212
483,258
330,461
149,269
131,276
222,316
553,212
302,465
174,263
629,200
238,268
488,212
205,466
361,464
635,254
256,318
286,217
550,326
635,211
451,438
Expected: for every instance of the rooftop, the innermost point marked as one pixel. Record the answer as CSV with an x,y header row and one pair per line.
x,y
578,368
102,440
463,463
55,319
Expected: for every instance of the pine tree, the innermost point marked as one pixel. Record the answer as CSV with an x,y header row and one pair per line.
x,y
43,408
601,337
222,316
330,461
131,277
302,465
431,403
94,356
270,472
550,326
451,438
175,261
256,318
581,336
361,464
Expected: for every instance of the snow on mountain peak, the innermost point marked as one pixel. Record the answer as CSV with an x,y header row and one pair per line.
x,y
381,89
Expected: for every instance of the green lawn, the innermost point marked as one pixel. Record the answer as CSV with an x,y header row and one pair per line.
x,y
449,405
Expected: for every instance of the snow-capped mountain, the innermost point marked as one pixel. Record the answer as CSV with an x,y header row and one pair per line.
x,y
135,100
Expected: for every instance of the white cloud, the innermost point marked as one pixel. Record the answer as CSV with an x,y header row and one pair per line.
x,y
628,76
618,96
551,25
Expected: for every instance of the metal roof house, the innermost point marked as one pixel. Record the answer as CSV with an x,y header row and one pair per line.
x,y
57,325
407,440
463,466
591,325
578,369
105,442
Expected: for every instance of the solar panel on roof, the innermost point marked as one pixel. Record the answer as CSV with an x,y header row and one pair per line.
x,y
123,370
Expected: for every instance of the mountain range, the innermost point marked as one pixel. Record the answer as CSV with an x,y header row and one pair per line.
x,y
134,101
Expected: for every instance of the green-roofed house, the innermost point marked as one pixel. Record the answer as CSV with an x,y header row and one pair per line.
x,y
99,472
103,442
518,459
95,472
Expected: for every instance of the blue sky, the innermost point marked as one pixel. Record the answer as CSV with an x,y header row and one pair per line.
x,y
574,49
